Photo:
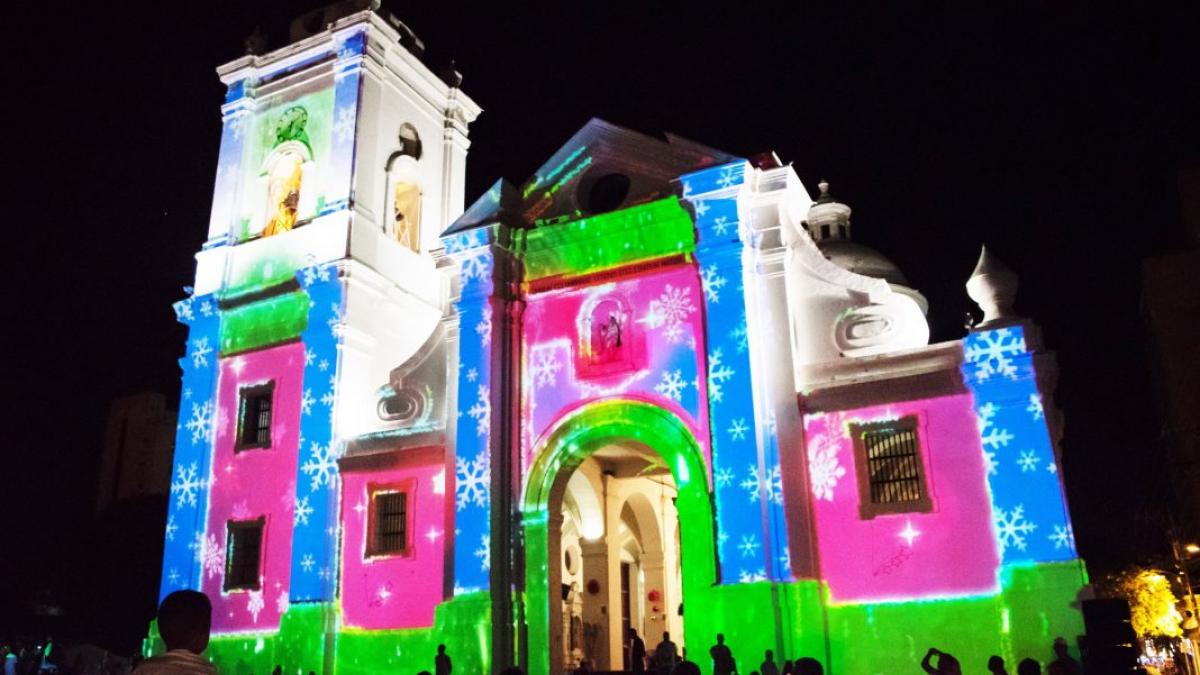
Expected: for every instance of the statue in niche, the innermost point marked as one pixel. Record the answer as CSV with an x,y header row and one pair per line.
x,y
608,319
283,193
405,226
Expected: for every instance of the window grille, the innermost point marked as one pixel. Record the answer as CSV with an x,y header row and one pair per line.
x,y
390,523
890,468
254,420
243,556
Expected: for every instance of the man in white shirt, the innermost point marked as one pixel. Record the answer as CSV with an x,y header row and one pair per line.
x,y
184,621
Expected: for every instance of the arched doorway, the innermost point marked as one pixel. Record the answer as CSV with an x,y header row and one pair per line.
x,y
645,430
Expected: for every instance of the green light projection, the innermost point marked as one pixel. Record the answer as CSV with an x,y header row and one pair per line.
x,y
654,230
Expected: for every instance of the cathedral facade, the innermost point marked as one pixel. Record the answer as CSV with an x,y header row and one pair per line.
x,y
655,387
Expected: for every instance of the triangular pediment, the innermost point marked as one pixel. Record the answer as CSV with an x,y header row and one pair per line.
x,y
604,167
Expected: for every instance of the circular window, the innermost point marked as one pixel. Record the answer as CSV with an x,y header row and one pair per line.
x,y
607,193
403,406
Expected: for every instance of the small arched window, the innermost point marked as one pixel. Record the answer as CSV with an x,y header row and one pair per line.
x,y
403,208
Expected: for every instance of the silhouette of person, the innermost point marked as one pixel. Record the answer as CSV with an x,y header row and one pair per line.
x,y
809,666
722,658
1029,667
1062,659
637,652
184,621
789,668
665,654
947,664
768,666
441,662
686,667
996,666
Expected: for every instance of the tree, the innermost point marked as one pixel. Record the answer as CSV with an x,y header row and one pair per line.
x,y
1151,603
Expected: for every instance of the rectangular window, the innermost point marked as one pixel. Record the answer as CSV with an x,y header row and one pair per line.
x,y
243,554
254,416
389,523
891,475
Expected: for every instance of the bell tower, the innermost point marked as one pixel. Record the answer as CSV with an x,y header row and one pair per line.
x,y
320,320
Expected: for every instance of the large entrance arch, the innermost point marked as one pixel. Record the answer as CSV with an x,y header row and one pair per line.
x,y
569,443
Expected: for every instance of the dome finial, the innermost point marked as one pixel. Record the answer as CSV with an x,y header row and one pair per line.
x,y
827,217
993,286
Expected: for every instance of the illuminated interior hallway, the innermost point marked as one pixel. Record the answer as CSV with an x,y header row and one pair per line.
x,y
618,537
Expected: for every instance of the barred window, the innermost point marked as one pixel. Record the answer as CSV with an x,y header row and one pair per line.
x,y
243,557
389,523
891,474
254,416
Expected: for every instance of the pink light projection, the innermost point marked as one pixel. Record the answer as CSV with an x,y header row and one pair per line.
x,y
638,338
947,552
254,483
398,590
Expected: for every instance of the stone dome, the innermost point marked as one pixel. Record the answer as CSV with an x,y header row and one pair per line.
x,y
862,260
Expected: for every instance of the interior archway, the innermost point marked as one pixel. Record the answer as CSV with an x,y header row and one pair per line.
x,y
573,440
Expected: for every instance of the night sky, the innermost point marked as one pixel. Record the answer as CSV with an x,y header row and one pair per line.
x,y
1051,133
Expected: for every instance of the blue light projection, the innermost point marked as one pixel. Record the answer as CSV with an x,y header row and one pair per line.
x,y
1028,509
472,462
314,537
748,548
187,508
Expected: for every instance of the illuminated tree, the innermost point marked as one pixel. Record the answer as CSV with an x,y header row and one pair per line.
x,y
1151,603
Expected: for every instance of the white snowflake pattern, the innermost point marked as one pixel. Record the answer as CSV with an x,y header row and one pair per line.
x,y
484,553
751,482
737,429
187,485
472,375
545,367
721,225
344,127
307,563
669,311
209,554
773,485
748,576
336,321
748,546
206,308
235,127
302,511
172,528
481,412
824,469
723,477
992,352
1035,407
183,309
1028,461
701,207
1063,537
330,396
484,328
173,577
281,603
307,401
726,179
321,465
718,373
200,351
470,253
671,385
1012,528
472,480
201,422
712,283
738,335
992,437
254,603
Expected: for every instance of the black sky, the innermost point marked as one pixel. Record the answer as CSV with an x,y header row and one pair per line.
x,y
1052,133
